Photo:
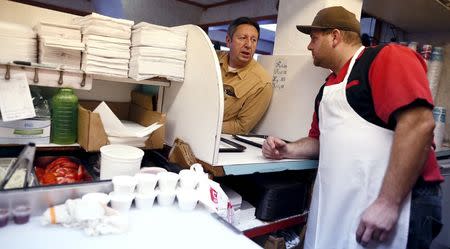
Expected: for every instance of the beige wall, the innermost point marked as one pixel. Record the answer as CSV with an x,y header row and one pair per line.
x,y
23,14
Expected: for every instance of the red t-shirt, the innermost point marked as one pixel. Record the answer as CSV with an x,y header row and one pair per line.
x,y
392,68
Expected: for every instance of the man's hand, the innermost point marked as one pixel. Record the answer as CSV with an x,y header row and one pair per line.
x,y
274,148
377,222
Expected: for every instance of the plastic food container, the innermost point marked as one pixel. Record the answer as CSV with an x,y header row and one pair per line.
x,y
145,200
124,184
121,201
118,159
4,216
75,171
21,214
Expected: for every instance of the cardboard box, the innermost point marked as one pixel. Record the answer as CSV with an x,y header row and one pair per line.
x,y
92,135
25,131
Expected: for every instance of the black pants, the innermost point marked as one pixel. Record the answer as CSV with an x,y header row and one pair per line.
x,y
425,218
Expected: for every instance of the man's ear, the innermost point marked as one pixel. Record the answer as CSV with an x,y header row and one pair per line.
x,y
228,40
336,35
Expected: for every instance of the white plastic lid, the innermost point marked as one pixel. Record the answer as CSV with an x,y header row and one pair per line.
x,y
122,152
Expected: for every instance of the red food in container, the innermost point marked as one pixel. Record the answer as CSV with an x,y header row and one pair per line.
x,y
60,170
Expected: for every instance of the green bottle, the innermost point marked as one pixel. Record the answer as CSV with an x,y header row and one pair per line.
x,y
64,123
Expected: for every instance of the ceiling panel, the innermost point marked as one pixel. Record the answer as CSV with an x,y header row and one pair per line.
x,y
414,16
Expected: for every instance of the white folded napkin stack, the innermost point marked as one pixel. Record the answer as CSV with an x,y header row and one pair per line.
x,y
18,43
107,42
59,45
157,51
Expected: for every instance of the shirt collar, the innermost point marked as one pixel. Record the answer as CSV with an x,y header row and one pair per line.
x,y
241,72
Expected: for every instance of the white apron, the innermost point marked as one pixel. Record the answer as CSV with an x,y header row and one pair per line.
x,y
354,156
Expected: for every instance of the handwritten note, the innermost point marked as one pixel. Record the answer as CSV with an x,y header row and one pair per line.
x,y
15,98
280,72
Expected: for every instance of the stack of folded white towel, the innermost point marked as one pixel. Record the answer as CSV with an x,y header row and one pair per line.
x,y
158,51
107,44
59,45
18,42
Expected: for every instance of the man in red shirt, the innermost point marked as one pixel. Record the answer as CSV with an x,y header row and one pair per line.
x,y
377,183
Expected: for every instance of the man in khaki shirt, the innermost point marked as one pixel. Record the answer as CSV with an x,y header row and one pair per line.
x,y
247,86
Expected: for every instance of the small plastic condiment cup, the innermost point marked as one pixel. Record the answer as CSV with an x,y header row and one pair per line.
x,y
124,184
187,199
121,201
167,181
102,198
21,214
145,200
166,198
4,217
146,182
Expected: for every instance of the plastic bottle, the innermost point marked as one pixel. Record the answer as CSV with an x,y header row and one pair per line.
x,y
439,114
64,117
434,70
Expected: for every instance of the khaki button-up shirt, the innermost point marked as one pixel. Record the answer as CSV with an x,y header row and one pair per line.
x,y
247,93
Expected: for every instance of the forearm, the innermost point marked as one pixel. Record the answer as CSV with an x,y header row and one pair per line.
x,y
411,144
233,127
303,148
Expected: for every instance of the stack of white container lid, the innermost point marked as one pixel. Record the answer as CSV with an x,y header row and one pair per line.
x,y
59,45
18,43
107,42
158,51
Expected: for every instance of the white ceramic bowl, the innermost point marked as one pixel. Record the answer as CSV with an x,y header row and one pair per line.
x,y
166,198
167,181
187,199
102,198
145,182
124,184
121,201
145,200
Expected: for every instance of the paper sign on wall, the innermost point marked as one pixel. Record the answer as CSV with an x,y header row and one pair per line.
x,y
15,98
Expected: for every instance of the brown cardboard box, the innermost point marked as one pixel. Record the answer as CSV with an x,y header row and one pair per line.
x,y
92,135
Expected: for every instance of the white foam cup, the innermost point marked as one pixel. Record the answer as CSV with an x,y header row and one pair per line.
x,y
188,179
167,181
146,182
145,200
187,199
124,184
121,201
166,198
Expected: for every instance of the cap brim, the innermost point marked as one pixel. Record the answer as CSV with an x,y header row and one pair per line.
x,y
306,29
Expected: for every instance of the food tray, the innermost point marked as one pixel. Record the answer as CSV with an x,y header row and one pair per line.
x,y
72,176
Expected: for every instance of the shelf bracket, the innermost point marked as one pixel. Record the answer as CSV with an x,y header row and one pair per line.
x,y
8,73
36,75
83,81
61,80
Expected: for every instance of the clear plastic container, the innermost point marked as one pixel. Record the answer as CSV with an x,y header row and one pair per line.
x,y
21,214
4,216
64,109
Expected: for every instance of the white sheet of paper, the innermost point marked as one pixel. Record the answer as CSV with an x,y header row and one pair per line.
x,y
114,127
15,98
